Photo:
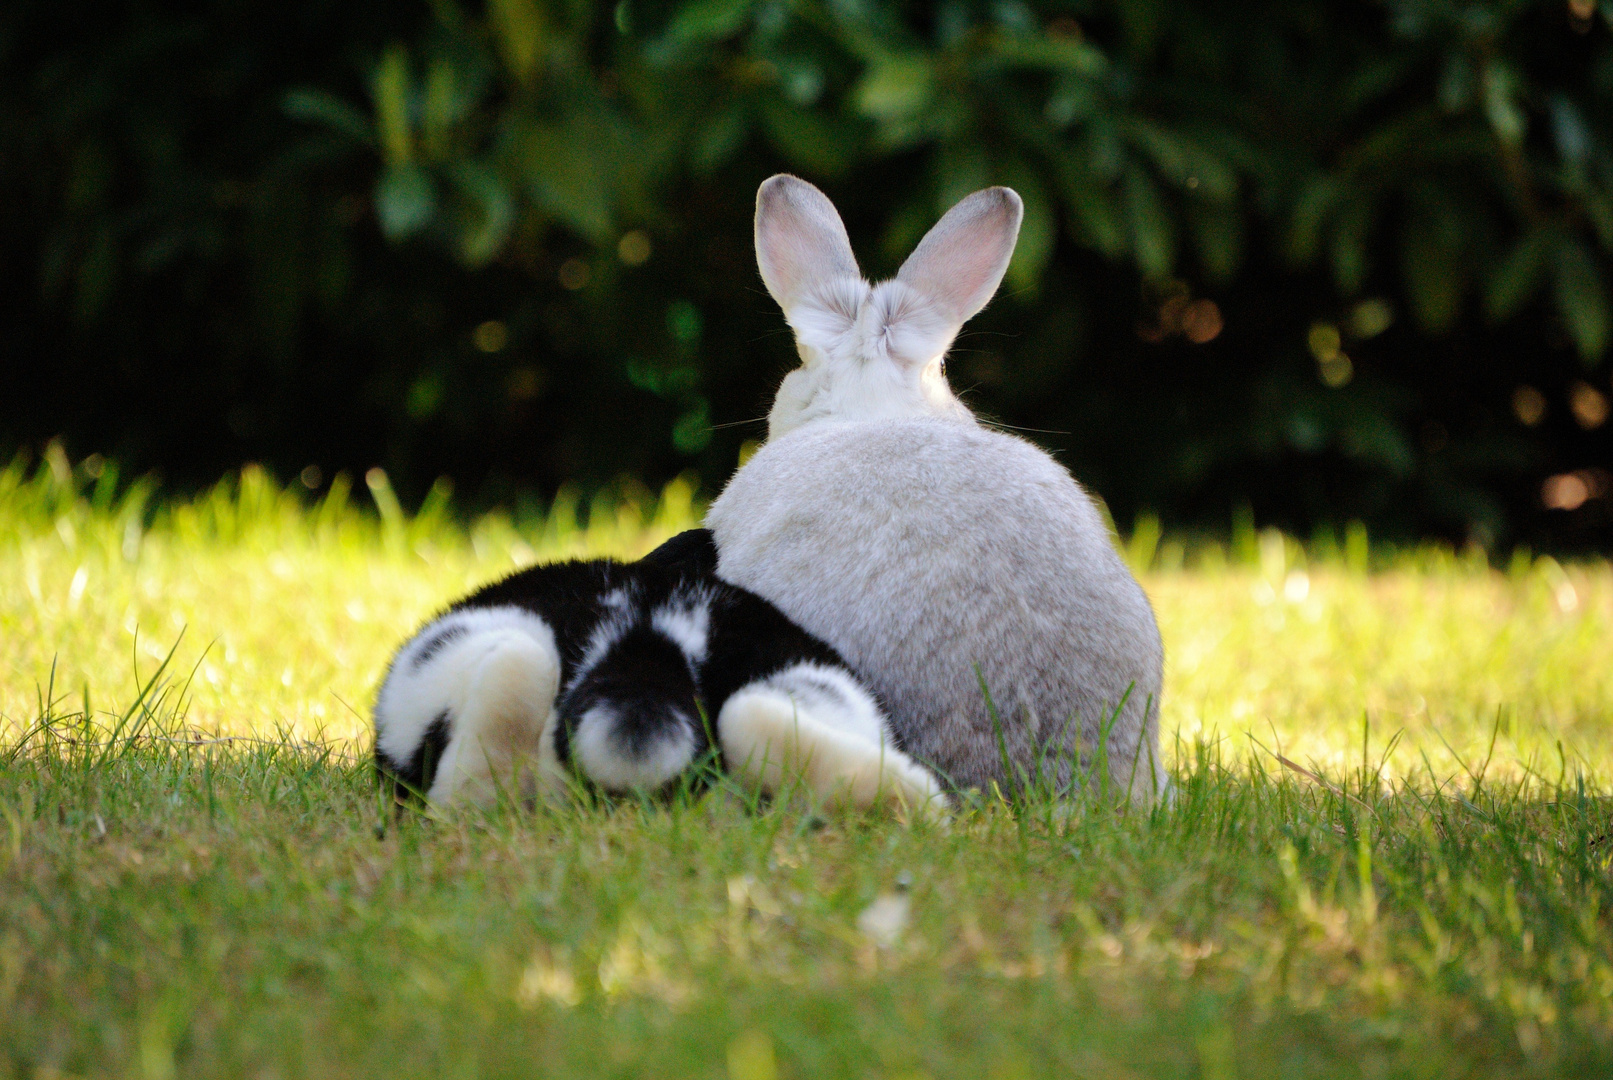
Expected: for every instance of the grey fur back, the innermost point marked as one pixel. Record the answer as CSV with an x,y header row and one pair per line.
x,y
923,548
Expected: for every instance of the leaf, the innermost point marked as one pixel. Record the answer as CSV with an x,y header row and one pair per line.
x,y
961,168
440,110
1313,207
316,106
1351,231
706,21
565,179
1142,21
1456,83
1153,239
1375,79
520,33
1582,298
405,200
1500,104
905,229
895,88
800,80
691,433
1052,54
1432,283
719,138
1600,210
1574,139
1094,218
390,87
1037,231
1182,161
492,212
1431,263
1371,435
1218,235
1518,275
807,139
1072,99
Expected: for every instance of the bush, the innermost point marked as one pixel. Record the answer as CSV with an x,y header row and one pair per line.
x,y
1328,260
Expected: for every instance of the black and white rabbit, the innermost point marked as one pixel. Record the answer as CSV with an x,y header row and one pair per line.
x,y
930,550
605,669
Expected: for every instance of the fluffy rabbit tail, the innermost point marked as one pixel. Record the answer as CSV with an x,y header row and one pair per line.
x,y
631,720
814,726
467,710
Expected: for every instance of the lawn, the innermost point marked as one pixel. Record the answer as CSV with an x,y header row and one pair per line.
x,y
196,877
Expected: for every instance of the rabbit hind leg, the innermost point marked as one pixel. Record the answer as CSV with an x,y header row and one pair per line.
x,y
502,734
814,725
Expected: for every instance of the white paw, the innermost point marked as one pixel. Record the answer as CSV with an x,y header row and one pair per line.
x,y
502,737
774,744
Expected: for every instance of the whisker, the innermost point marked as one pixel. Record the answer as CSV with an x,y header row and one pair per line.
x,y
768,334
1013,427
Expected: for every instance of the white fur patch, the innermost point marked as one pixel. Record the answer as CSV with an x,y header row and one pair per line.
x,y
884,365
687,622
826,314
494,672
433,671
600,755
904,327
832,697
824,733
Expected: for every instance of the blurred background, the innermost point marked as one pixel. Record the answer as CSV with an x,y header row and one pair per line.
x,y
1301,262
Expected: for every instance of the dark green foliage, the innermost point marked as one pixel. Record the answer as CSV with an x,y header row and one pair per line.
x,y
511,244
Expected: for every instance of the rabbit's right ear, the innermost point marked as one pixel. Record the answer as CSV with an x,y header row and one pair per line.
x,y
803,252
961,261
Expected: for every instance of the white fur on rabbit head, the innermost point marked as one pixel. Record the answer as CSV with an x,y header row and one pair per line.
x,y
875,351
931,551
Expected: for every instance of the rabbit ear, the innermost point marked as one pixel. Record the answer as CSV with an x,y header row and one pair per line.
x,y
961,261
801,245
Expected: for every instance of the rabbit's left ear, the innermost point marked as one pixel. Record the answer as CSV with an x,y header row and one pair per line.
x,y
961,261
801,245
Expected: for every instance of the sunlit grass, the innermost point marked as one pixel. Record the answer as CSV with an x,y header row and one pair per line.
x,y
1430,896
290,609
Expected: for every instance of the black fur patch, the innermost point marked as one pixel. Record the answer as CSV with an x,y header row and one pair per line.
x,y
435,643
692,554
645,682
411,780
569,596
750,640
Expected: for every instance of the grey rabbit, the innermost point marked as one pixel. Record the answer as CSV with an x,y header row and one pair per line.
x,y
933,552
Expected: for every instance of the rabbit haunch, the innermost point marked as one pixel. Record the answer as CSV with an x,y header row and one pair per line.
x,y
932,552
604,669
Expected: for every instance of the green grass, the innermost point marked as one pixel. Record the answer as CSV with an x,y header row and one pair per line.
x,y
196,877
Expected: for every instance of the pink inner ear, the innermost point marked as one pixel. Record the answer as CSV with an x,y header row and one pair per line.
x,y
800,240
961,261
